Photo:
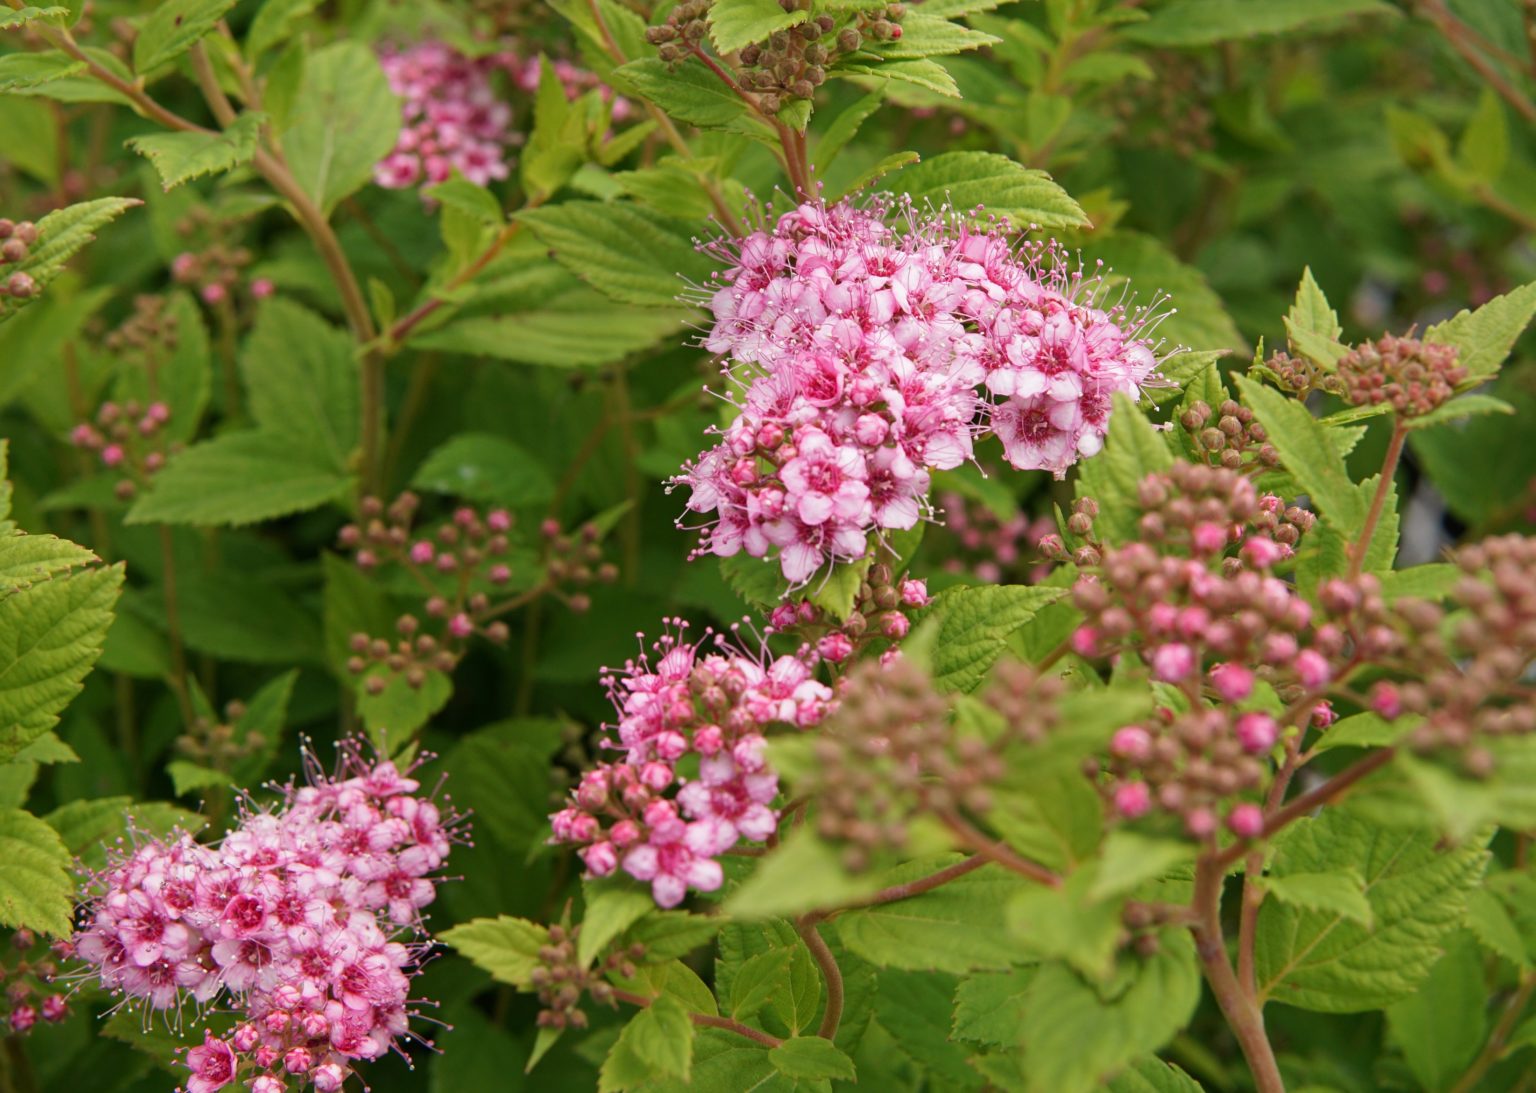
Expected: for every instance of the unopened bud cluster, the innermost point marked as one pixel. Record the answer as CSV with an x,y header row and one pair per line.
x,y
30,993
561,979
16,241
1300,376
992,548
1228,436
1196,598
882,608
1412,376
221,745
128,438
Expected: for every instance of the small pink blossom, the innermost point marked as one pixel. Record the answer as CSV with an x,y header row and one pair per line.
x,y
1132,799
1172,663
1257,732
1246,821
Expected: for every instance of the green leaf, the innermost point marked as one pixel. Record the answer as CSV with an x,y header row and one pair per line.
x,y
1483,338
579,330
1433,581
1130,860
1463,407
1364,730
1197,319
343,121
759,978
737,23
1152,1075
239,478
1484,149
21,70
966,179
957,927
61,234
843,129
275,21
1321,959
395,714
50,636
1440,1027
1186,23
187,777
1312,326
181,157
36,889
1066,923
810,1058
1341,893
611,909
1105,1032
916,1009
11,18
1132,450
1494,929
1307,451
989,1007
925,35
1050,816
929,75
657,1043
974,628
27,559
668,935
690,93
488,469
801,874
174,27
302,378
506,947
625,252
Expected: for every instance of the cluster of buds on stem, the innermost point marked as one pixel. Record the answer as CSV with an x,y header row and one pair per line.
x,y
882,608
992,548
129,440
16,240
574,561
561,979
221,744
214,262
29,989
1173,111
1411,376
1228,437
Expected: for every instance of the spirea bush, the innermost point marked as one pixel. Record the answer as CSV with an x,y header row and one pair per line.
x,y
949,546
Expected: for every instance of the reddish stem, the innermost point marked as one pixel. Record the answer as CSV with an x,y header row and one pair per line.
x,y
707,1020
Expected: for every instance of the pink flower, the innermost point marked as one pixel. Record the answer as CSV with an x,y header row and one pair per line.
x,y
113,455
835,647
212,1064
826,482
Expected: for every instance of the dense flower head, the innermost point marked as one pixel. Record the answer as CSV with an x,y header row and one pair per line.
x,y
871,345
708,702
451,117
306,920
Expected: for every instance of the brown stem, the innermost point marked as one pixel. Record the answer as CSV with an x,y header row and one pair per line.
x,y
208,83
1458,35
1241,1010
915,887
409,321
997,851
1383,489
1494,1048
830,972
1253,869
706,1020
178,680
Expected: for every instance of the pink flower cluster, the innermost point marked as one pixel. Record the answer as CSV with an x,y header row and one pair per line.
x,y
450,117
867,342
640,813
306,919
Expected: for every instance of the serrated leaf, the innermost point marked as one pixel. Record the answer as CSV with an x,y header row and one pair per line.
x,y
668,935
25,70
929,75
1152,1075
1007,189
28,559
174,27
611,909
1130,860
1187,23
50,636
343,121
585,330
657,1043
181,157
1320,960
61,234
239,478
506,947
758,979
1463,406
1490,923
843,129
1197,319
625,252
394,714
1364,730
188,777
1308,452
1341,892
926,35
485,468
1483,150
801,874
1065,923
974,628
737,23
989,1007
1483,338
810,1058
690,93
88,826
36,889
11,18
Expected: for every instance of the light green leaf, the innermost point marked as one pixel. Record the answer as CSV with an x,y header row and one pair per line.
x,y
579,330
239,478
1483,338
1312,326
1433,581
36,889
966,179
1440,1027
668,935
395,714
344,120
611,909
50,636
11,18
181,157
1494,929
1186,23
926,35
485,468
28,559
1320,959
1197,319
1152,1075
989,1007
174,27
929,75
1307,450
657,1043
1066,923
1130,860
302,378
843,129
690,93
801,874
23,70
625,252
975,624
188,777
506,947
737,23
1462,407
810,1058
87,826
275,21
1484,148
1364,730
1341,893
758,979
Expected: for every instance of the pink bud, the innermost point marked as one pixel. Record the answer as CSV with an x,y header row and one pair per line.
x,y
83,436
782,617
262,287
366,559
1387,700
328,1077
659,814
183,266
55,1008
268,1083
158,412
914,592
1085,641
1262,553
499,520
460,625
1233,682
670,745
1200,822
1279,649
1162,617
895,625
422,552
113,455
1208,538
708,740
599,858
245,1037
1132,799
214,294
1312,669
770,436
656,775
1132,743
871,430
1323,715
1257,732
835,647
1173,662
625,833
744,472
298,1061
447,562
499,574
1246,821
23,1017
550,528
